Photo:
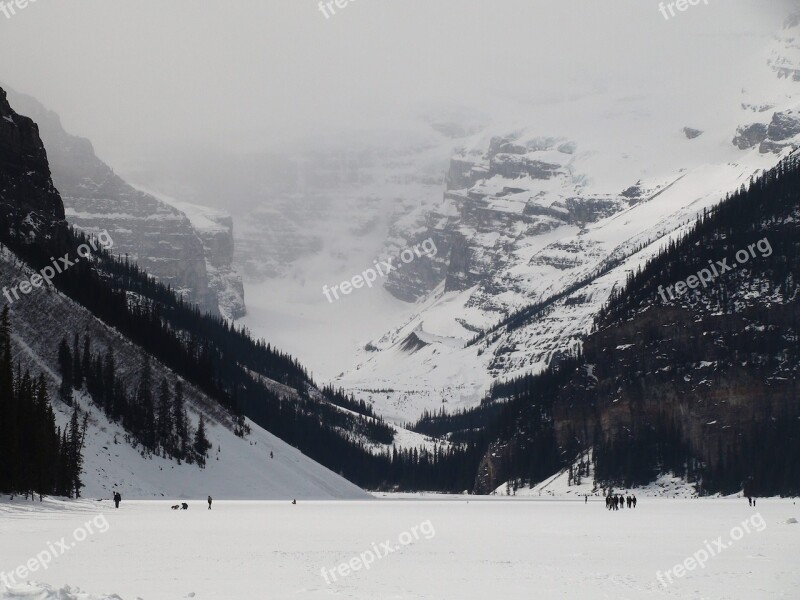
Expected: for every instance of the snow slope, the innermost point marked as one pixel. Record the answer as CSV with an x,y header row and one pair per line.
x,y
560,486
238,468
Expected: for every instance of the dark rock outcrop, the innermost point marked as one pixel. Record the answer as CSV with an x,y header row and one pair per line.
x,y
751,135
781,132
692,133
157,236
28,198
784,125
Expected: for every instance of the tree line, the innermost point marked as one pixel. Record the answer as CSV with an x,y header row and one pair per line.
x,y
36,456
154,418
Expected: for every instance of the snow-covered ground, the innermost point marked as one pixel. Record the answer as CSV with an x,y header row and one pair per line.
x,y
464,548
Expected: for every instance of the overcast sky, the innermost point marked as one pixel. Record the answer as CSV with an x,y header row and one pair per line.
x,y
129,73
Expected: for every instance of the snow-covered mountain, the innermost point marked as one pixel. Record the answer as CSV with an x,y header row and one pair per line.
x,y
192,256
242,461
346,204
551,223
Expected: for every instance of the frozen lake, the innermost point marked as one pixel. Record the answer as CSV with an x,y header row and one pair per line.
x,y
454,549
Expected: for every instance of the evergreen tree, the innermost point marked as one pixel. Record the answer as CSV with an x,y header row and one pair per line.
x,y
32,457
164,419
77,373
181,422
147,419
109,383
66,368
74,449
86,361
201,443
7,404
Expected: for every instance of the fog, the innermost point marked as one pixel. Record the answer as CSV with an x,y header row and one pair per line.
x,y
138,76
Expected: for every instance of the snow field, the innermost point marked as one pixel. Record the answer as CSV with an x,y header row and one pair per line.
x,y
482,548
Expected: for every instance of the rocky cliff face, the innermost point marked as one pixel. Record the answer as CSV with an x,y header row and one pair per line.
x,y
223,278
215,230
157,236
515,190
782,131
29,197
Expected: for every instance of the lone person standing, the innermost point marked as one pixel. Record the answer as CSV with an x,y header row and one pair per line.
x,y
209,503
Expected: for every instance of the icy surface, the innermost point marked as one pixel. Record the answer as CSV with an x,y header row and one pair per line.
x,y
482,548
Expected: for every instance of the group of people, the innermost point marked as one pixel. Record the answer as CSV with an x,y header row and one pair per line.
x,y
617,501
181,506
184,506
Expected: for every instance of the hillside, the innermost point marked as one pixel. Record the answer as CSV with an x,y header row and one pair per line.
x,y
698,380
237,467
538,225
139,337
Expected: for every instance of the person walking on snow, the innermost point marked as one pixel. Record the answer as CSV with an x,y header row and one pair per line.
x,y
209,503
117,499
